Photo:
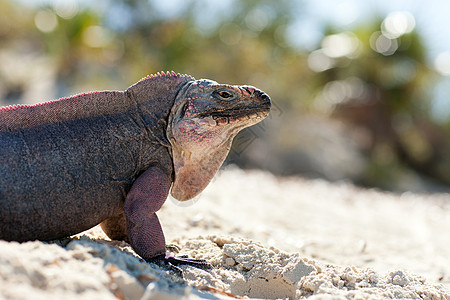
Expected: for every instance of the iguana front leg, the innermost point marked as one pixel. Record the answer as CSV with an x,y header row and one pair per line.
x,y
145,234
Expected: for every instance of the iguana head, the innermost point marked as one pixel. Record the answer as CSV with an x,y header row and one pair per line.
x,y
202,124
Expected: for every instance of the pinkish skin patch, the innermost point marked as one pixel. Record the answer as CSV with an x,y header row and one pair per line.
x,y
191,108
195,132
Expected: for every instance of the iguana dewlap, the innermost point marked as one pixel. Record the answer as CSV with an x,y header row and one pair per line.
x,y
111,157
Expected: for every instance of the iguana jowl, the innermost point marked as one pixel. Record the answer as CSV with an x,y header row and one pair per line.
x,y
111,157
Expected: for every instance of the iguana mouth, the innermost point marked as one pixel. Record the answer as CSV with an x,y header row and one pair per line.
x,y
237,115
231,116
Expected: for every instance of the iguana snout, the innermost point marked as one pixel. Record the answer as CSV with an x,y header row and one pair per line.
x,y
205,119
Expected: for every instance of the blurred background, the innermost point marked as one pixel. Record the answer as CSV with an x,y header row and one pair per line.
x,y
359,88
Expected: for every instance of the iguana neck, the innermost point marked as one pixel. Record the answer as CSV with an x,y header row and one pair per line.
x,y
161,87
153,98
194,170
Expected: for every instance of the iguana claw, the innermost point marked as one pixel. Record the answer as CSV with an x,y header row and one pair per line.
x,y
174,261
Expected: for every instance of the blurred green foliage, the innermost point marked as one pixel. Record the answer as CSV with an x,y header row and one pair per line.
x,y
377,83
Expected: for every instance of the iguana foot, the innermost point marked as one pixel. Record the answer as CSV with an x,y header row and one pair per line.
x,y
174,261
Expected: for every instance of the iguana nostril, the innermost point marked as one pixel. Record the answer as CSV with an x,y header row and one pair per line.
x,y
248,90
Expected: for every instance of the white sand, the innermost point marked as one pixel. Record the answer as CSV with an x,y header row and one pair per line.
x,y
267,238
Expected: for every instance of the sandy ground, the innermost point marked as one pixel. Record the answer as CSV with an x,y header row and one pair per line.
x,y
266,237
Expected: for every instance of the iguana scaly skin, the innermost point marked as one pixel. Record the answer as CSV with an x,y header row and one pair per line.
x,y
112,157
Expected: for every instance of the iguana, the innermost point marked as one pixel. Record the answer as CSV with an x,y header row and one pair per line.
x,y
112,157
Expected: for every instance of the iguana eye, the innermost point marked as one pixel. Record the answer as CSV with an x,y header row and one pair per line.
x,y
224,95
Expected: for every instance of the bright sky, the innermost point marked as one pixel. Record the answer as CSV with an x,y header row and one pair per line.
x,y
432,18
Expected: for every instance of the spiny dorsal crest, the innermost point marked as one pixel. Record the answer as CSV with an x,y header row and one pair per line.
x,y
24,106
162,75
167,74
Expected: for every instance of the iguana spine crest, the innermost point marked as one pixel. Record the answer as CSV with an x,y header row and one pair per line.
x,y
151,76
167,74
